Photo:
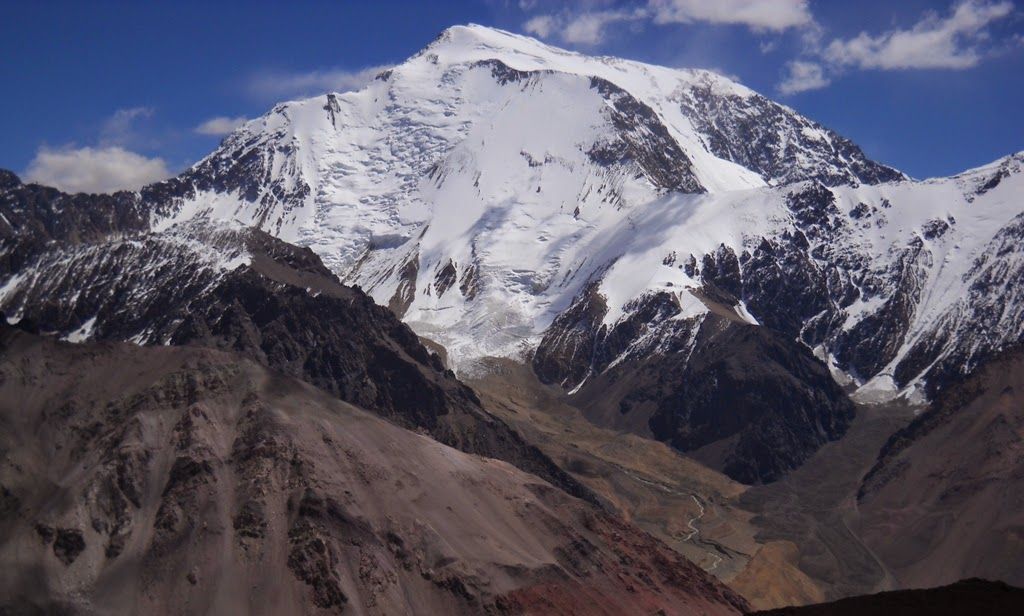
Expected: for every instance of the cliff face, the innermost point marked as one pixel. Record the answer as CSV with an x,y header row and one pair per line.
x,y
746,400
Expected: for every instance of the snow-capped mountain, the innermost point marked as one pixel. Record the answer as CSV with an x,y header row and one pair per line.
x,y
489,136
507,198
480,186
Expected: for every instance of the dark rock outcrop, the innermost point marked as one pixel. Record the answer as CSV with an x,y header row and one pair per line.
x,y
643,139
68,544
771,397
745,399
777,143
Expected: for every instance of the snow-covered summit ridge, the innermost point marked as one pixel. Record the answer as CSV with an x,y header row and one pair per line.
x,y
471,43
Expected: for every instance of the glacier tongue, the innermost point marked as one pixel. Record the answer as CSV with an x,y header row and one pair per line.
x,y
479,187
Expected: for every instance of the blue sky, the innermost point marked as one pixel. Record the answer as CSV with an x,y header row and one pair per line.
x,y
102,95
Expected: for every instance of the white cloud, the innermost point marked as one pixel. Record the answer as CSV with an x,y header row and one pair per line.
x,y
775,15
586,28
586,25
802,76
933,42
277,85
541,25
122,129
589,28
97,170
957,41
220,125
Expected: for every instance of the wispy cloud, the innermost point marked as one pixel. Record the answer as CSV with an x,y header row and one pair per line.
x,y
543,26
585,25
123,127
219,125
959,40
954,42
277,85
589,28
95,170
801,76
774,15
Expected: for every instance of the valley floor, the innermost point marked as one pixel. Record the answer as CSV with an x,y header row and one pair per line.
x,y
794,541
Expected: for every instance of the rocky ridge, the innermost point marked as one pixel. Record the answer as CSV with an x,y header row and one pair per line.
x,y
183,480
242,290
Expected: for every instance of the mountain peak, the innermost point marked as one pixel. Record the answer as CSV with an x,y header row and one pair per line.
x,y
478,35
479,185
474,42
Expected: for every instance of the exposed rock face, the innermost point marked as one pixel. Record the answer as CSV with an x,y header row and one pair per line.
x,y
566,354
185,480
749,384
641,138
759,402
406,289
782,146
993,299
68,544
803,284
876,317
35,215
942,502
